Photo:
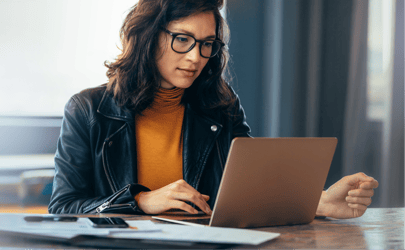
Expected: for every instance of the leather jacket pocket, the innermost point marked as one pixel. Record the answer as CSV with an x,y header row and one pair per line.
x,y
108,203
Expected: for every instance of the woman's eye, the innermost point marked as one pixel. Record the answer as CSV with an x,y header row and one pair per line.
x,y
182,39
207,44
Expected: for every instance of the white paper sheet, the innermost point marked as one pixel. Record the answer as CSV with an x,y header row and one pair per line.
x,y
146,229
203,234
67,230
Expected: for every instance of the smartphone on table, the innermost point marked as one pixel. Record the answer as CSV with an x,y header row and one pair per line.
x,y
107,222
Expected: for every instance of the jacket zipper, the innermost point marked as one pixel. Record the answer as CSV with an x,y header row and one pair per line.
x,y
220,159
105,168
107,204
105,162
219,155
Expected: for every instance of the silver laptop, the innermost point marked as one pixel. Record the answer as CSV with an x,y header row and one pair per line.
x,y
268,182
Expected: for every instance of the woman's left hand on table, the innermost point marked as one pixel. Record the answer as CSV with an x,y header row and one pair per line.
x,y
347,198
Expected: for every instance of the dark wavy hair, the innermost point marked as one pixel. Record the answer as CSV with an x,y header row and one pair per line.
x,y
134,77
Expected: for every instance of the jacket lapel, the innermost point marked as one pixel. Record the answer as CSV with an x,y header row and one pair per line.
x,y
109,108
119,143
199,136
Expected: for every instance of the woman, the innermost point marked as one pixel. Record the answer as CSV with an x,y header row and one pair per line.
x,y
156,136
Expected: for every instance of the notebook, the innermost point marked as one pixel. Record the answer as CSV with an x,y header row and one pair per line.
x,y
268,182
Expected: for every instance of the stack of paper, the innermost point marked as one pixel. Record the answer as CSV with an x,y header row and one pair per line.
x,y
199,234
67,230
139,229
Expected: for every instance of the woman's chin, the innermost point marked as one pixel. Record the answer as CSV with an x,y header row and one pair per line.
x,y
183,84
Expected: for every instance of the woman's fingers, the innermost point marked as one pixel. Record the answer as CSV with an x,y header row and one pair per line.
x,y
361,192
359,200
369,184
357,206
196,199
188,193
358,177
183,206
206,197
182,186
174,195
359,209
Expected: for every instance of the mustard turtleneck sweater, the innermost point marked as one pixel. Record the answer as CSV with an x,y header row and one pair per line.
x,y
158,140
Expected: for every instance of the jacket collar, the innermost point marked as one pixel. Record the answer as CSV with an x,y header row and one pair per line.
x,y
109,108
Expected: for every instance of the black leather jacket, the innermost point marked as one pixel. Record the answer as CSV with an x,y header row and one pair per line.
x,y
95,161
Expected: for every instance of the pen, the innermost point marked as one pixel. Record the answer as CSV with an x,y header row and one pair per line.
x,y
134,230
50,218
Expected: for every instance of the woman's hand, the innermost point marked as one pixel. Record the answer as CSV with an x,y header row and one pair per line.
x,y
347,198
171,196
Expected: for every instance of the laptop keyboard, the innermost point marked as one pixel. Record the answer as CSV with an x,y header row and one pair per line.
x,y
205,221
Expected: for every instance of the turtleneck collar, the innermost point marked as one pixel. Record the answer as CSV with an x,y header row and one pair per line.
x,y
167,100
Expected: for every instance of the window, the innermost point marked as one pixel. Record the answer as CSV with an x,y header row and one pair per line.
x,y
380,59
50,50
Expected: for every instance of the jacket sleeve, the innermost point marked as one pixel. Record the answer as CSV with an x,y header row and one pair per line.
x,y
73,185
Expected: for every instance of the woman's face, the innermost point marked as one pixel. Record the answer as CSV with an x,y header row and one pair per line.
x,y
180,70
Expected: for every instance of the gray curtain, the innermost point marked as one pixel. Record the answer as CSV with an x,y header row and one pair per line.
x,y
374,147
392,171
301,70
356,127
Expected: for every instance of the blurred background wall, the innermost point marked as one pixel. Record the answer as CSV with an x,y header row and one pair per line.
x,y
327,68
318,68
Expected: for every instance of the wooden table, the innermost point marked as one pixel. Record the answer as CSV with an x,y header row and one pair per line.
x,y
378,228
4,208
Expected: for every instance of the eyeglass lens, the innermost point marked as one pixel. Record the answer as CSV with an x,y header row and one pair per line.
x,y
182,43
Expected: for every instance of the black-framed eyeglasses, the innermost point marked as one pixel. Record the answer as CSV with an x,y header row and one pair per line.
x,y
183,43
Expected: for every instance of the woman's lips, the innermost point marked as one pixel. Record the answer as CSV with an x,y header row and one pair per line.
x,y
188,72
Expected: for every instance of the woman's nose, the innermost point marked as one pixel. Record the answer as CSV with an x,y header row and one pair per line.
x,y
194,54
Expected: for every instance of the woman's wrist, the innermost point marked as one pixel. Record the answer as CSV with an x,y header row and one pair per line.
x,y
321,210
137,196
